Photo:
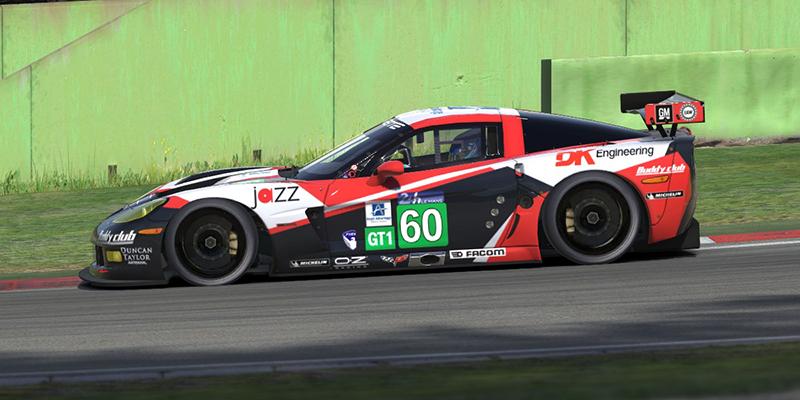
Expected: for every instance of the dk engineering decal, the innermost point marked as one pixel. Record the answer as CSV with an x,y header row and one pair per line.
x,y
577,157
664,195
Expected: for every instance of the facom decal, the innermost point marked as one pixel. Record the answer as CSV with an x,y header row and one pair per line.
x,y
378,213
688,111
661,170
625,152
664,113
422,225
379,238
312,262
664,195
431,196
349,238
576,157
136,255
284,194
120,238
474,253
265,195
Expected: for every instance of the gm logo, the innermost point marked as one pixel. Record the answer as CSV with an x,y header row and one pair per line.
x,y
664,113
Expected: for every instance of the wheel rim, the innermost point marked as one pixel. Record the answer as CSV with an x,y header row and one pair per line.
x,y
593,220
211,245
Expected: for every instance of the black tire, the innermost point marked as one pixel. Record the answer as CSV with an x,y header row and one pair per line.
x,y
211,242
605,218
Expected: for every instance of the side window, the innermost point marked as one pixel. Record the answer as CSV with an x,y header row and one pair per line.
x,y
447,145
548,131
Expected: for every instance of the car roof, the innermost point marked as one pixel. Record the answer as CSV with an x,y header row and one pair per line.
x,y
417,116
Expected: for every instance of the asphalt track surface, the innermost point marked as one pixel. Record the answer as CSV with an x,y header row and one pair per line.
x,y
728,293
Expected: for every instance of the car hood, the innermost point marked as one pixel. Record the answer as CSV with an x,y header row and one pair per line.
x,y
212,178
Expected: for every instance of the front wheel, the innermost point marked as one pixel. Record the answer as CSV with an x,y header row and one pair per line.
x,y
592,218
212,242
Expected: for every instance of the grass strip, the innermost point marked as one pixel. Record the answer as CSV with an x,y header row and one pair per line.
x,y
715,371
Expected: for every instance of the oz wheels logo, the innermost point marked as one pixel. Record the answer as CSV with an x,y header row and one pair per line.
x,y
422,225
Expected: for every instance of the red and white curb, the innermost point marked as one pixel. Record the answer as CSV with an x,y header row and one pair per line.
x,y
750,237
706,243
39,283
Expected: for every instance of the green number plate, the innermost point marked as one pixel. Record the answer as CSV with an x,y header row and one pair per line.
x,y
422,225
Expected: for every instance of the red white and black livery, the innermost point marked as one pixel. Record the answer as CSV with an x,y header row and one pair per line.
x,y
440,187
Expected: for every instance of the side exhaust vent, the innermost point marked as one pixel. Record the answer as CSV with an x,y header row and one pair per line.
x,y
430,259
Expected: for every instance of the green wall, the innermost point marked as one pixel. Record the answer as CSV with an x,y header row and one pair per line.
x,y
395,56
15,124
683,26
747,93
173,82
32,31
151,83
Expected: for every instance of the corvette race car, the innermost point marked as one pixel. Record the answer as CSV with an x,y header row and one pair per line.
x,y
440,187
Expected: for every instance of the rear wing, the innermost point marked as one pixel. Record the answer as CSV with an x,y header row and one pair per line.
x,y
665,107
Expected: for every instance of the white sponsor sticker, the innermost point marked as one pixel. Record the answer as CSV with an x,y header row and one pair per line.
x,y
378,213
664,195
474,253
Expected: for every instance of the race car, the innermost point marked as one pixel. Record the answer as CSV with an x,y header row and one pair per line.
x,y
440,187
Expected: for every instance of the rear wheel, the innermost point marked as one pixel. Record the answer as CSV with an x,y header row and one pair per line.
x,y
592,219
211,243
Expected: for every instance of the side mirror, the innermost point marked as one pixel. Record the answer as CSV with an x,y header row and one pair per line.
x,y
388,169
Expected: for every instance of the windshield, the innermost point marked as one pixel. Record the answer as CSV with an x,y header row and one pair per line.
x,y
354,154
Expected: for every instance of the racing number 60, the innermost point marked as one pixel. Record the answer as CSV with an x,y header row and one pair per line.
x,y
422,225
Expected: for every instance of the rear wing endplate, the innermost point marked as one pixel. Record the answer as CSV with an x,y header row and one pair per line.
x,y
664,107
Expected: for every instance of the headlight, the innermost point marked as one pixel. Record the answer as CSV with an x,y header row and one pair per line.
x,y
139,211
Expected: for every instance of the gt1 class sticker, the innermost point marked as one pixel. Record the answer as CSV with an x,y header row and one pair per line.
x,y
664,113
661,170
312,262
378,213
664,195
422,225
349,238
474,253
688,111
431,196
120,238
381,238
136,255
